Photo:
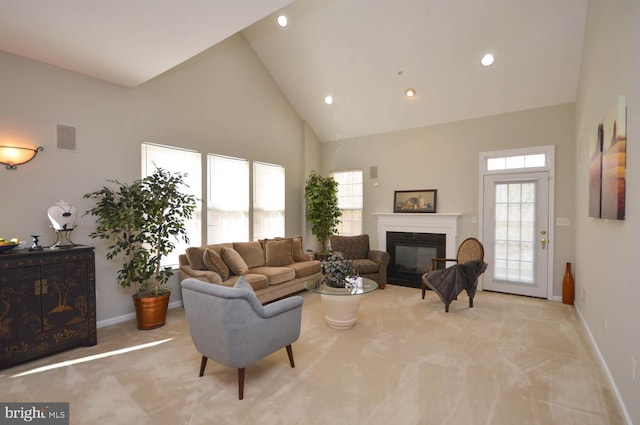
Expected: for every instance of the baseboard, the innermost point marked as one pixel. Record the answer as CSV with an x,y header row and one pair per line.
x,y
130,316
618,397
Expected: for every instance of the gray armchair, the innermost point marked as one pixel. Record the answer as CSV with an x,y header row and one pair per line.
x,y
230,325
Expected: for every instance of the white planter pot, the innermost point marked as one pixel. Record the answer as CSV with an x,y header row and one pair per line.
x,y
341,311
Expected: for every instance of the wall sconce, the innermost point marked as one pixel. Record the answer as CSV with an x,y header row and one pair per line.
x,y
12,156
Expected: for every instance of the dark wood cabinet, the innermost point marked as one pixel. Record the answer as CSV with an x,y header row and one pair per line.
x,y
47,302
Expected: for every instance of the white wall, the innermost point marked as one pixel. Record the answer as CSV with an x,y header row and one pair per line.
x,y
607,283
223,101
446,158
312,161
36,97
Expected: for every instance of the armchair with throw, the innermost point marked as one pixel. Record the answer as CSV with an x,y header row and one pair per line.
x,y
463,275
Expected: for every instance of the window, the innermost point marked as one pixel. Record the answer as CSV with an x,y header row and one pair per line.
x,y
228,195
177,160
515,162
514,231
268,200
227,199
349,201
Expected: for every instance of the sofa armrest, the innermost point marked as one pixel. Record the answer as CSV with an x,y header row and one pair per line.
x,y
203,275
380,257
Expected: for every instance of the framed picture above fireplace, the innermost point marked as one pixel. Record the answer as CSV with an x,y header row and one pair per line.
x,y
414,201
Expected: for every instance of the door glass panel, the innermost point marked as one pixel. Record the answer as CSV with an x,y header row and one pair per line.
x,y
514,232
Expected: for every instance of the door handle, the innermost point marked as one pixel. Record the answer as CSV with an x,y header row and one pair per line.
x,y
543,242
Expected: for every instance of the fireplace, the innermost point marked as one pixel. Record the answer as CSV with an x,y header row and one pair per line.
x,y
411,255
417,249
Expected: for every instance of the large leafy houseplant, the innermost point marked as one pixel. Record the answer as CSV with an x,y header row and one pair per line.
x,y
142,220
323,211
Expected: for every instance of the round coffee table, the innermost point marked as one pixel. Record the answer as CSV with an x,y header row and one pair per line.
x,y
341,305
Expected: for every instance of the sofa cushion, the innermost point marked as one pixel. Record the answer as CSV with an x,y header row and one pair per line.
x,y
235,262
217,247
194,255
278,252
275,275
214,262
251,252
257,281
365,266
298,252
243,283
306,268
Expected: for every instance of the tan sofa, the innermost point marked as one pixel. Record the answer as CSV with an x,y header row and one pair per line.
x,y
274,267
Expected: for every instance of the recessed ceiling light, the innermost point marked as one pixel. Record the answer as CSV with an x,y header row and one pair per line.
x,y
487,59
410,92
282,21
328,100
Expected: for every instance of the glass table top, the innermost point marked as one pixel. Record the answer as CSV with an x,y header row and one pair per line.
x,y
356,286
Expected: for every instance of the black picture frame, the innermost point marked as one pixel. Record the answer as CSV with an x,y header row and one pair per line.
x,y
415,201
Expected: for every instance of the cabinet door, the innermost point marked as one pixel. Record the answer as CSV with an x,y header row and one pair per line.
x,y
64,294
19,310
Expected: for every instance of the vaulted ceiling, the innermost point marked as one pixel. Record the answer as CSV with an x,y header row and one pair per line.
x,y
363,53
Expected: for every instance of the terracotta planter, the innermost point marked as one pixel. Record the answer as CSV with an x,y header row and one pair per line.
x,y
151,312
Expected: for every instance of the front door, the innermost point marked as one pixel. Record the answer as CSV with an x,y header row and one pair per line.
x,y
516,233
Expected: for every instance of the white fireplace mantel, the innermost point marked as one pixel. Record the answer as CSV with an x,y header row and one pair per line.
x,y
443,223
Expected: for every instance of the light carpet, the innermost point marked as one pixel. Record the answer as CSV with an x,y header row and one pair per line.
x,y
509,360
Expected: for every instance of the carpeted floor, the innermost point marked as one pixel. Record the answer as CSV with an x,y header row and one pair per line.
x,y
509,360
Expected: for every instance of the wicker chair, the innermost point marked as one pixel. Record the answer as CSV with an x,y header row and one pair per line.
x,y
470,249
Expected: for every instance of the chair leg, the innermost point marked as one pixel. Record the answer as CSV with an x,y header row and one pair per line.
x,y
241,383
203,364
470,302
424,289
446,308
290,354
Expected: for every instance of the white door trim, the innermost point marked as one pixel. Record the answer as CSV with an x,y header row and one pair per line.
x,y
549,151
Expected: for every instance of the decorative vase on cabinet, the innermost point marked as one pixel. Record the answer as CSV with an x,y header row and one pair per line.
x,y
567,286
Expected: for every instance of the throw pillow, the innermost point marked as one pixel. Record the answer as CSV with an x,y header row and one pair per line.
x,y
243,283
298,253
251,252
214,262
194,255
279,252
234,261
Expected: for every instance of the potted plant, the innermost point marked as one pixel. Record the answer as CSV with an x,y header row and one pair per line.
x,y
323,211
142,220
336,269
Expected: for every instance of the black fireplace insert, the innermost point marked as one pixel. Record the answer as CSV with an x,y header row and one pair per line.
x,y
411,255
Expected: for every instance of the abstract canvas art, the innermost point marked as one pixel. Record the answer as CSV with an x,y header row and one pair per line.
x,y
607,165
